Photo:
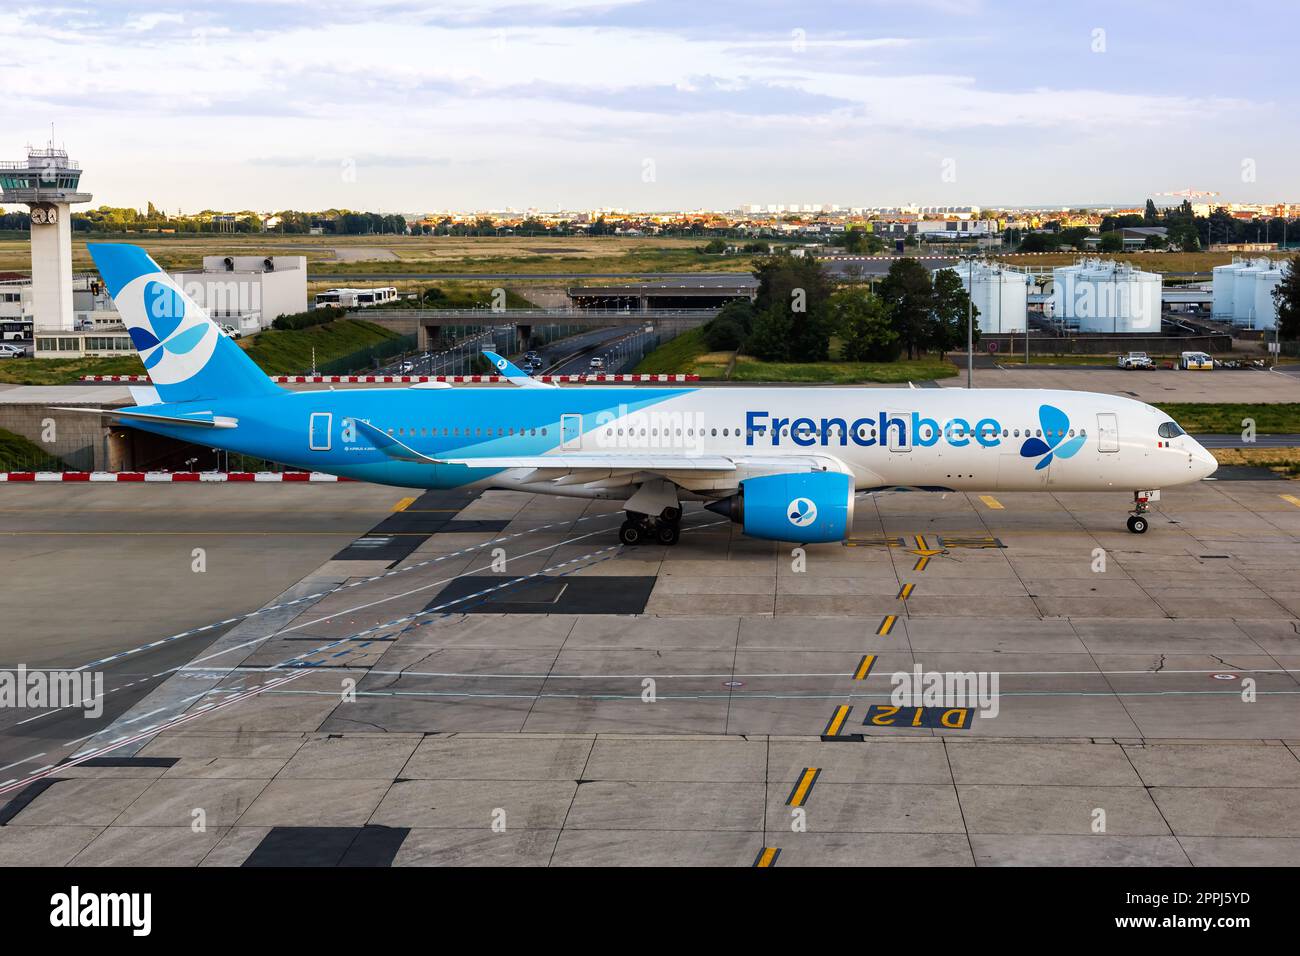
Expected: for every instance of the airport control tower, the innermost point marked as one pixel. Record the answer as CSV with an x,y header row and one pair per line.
x,y
47,183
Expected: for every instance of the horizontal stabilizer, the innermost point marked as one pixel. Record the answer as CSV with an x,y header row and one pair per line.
x,y
194,419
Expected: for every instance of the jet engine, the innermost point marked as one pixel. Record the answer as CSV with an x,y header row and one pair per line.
x,y
810,507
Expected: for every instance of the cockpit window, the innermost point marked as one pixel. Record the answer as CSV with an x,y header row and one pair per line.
x,y
1170,430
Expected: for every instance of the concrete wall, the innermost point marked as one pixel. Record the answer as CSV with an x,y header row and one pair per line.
x,y
79,439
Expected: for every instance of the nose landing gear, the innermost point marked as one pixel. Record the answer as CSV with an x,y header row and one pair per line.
x,y
1137,520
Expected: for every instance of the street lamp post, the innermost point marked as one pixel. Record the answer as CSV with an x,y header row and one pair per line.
x,y
970,331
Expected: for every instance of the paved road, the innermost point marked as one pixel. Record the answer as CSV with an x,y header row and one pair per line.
x,y
93,571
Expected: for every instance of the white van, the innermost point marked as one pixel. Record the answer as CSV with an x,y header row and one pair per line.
x,y
1196,360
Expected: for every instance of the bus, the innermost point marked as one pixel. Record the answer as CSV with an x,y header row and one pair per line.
x,y
356,298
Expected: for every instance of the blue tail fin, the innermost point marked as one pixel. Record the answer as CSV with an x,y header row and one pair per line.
x,y
184,352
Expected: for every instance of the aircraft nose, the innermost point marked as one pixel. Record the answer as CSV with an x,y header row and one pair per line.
x,y
1203,463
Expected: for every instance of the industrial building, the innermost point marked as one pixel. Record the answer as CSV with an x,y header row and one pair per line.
x,y
999,292
1243,292
1095,295
248,292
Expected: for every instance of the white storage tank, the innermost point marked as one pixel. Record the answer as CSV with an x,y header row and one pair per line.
x,y
999,292
1264,311
1225,278
1106,296
1243,291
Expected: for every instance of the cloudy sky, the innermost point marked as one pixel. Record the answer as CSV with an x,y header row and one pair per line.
x,y
656,104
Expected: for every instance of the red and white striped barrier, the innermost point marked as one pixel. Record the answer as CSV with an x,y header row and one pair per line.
x,y
166,477
411,379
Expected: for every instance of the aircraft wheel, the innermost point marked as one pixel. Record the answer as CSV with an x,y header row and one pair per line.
x,y
1137,524
668,533
631,533
671,515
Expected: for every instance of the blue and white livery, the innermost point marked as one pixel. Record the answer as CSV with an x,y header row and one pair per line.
x,y
786,463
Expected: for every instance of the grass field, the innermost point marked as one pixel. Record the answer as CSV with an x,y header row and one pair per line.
x,y
750,369
64,371
19,454
689,354
1147,261
369,255
1285,461
1221,418
288,353
277,353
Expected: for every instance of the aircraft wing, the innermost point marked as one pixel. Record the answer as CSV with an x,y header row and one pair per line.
x,y
608,467
560,462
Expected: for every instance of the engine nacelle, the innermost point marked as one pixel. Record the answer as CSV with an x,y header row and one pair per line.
x,y
807,508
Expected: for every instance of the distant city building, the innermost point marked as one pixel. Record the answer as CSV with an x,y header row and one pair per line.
x,y
1133,237
936,229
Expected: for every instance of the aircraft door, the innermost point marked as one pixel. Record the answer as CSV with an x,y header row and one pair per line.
x,y
1107,432
571,432
897,438
318,431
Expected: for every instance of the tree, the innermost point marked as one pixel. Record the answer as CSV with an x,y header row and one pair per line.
x,y
952,312
799,288
1286,295
770,340
730,328
1111,242
862,322
1037,242
1150,217
909,296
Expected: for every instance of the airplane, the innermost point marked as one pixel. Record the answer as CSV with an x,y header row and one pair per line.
x,y
786,464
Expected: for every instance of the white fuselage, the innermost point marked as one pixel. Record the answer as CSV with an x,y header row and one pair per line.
x,y
949,439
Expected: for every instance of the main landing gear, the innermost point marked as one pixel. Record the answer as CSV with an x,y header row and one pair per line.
x,y
1137,520
642,529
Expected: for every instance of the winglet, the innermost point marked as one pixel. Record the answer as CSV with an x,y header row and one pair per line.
x,y
512,373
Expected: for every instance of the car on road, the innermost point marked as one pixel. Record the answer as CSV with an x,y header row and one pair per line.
x,y
406,368
1136,360
230,332
532,358
596,364
9,350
